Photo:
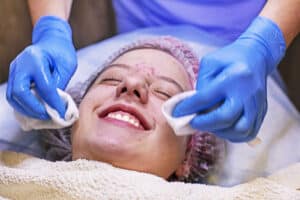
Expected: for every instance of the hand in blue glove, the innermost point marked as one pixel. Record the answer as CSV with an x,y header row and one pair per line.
x,y
231,87
46,65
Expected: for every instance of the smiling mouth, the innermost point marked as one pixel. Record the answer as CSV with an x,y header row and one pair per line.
x,y
124,115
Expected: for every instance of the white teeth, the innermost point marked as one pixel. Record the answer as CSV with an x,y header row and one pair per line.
x,y
125,117
131,121
119,116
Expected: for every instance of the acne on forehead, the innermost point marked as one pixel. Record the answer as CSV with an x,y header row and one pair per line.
x,y
146,68
151,71
133,58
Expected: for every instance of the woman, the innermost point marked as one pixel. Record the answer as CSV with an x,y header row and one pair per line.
x,y
121,122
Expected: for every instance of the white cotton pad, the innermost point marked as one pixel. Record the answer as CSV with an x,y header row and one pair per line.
x,y
180,125
56,121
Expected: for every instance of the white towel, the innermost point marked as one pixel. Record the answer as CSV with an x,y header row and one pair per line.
x,y
23,177
56,122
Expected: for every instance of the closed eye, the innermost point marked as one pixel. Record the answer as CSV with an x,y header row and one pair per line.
x,y
110,81
166,95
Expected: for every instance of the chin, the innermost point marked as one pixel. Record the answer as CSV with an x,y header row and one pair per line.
x,y
111,147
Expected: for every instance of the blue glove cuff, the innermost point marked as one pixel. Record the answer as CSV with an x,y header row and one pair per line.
x,y
268,34
55,25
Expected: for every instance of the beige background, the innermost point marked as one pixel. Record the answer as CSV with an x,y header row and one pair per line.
x,y
93,20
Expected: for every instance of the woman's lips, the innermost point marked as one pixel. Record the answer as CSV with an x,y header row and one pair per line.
x,y
122,123
125,115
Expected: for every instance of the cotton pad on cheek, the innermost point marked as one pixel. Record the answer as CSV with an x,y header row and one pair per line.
x,y
56,122
181,125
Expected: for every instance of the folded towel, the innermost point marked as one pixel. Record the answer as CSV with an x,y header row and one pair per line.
x,y
24,177
56,122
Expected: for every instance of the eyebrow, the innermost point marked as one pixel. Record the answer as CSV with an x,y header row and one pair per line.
x,y
165,78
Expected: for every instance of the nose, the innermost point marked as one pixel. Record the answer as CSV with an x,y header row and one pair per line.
x,y
134,87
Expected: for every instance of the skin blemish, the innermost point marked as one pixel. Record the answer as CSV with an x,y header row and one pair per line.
x,y
149,70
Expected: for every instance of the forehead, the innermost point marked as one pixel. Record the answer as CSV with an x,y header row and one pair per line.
x,y
156,62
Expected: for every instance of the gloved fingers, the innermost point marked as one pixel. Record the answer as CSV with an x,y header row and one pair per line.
x,y
24,108
254,131
248,126
24,100
47,90
210,66
232,135
9,92
220,118
201,101
64,70
61,82
242,130
262,106
19,96
21,110
10,81
247,123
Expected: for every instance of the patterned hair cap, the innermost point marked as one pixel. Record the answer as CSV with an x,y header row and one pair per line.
x,y
176,48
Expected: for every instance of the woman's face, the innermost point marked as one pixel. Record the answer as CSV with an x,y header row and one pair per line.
x,y
121,122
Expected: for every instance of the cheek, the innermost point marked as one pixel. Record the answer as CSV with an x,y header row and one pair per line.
x,y
88,102
85,123
172,147
95,98
171,143
156,108
166,138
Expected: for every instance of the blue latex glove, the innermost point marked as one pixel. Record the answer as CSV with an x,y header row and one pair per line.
x,y
232,99
46,65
